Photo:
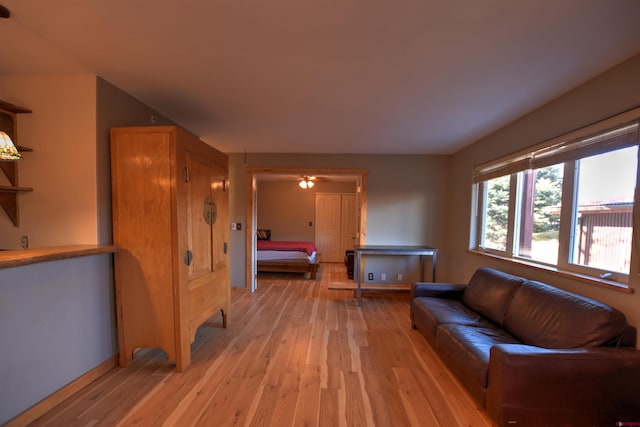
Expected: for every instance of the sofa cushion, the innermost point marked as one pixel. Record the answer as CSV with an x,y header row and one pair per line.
x,y
466,350
436,311
489,292
545,316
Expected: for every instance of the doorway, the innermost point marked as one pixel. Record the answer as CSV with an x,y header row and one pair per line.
x,y
359,175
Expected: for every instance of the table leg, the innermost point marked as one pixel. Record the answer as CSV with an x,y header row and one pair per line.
x,y
358,292
433,266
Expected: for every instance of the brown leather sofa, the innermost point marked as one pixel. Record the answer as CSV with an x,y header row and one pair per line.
x,y
532,354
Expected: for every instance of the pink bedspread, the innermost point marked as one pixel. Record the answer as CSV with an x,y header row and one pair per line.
x,y
268,245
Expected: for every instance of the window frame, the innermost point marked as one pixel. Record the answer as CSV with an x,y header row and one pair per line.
x,y
605,136
483,220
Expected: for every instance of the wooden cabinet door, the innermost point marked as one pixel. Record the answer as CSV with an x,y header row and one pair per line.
x,y
207,278
142,229
202,215
220,229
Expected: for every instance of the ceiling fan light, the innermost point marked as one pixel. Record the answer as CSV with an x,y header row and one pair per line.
x,y
310,184
303,184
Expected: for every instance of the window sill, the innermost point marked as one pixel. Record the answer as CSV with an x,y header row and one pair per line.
x,y
609,284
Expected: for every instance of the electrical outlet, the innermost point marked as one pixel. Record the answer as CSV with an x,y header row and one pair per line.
x,y
399,277
370,276
383,276
24,242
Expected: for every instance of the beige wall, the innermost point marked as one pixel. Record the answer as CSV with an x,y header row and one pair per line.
x,y
407,196
289,211
69,167
62,208
611,93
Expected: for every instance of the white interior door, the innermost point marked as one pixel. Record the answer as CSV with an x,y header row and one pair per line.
x,y
328,226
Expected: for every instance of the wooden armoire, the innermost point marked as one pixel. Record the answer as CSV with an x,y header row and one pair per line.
x,y
170,203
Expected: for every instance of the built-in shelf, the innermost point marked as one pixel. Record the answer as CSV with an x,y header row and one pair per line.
x,y
9,194
6,189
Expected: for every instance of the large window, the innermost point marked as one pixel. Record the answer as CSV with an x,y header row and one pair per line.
x,y
566,204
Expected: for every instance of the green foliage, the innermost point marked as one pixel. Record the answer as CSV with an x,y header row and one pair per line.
x,y
497,215
548,196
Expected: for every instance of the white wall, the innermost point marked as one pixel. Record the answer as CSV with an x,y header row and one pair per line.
x,y
609,94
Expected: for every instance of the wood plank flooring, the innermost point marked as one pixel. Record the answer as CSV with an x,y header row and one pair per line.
x,y
295,354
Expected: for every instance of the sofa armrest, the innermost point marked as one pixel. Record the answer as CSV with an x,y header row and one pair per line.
x,y
587,386
437,290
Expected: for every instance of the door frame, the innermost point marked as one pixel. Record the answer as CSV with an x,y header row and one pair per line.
x,y
360,175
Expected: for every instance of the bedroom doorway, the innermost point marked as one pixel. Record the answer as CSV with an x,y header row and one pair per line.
x,y
359,176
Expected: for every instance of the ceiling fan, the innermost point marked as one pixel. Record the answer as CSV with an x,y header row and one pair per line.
x,y
307,181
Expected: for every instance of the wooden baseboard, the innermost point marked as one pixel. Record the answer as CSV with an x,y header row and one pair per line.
x,y
48,403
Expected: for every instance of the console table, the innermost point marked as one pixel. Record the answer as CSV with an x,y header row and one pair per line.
x,y
386,250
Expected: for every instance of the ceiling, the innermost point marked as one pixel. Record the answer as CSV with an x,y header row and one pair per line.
x,y
329,76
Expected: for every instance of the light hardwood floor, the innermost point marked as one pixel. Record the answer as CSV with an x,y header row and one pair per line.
x,y
295,354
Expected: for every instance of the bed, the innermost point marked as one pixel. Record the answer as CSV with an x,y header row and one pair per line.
x,y
286,256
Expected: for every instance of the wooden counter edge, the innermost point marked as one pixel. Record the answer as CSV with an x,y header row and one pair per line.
x,y
20,257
